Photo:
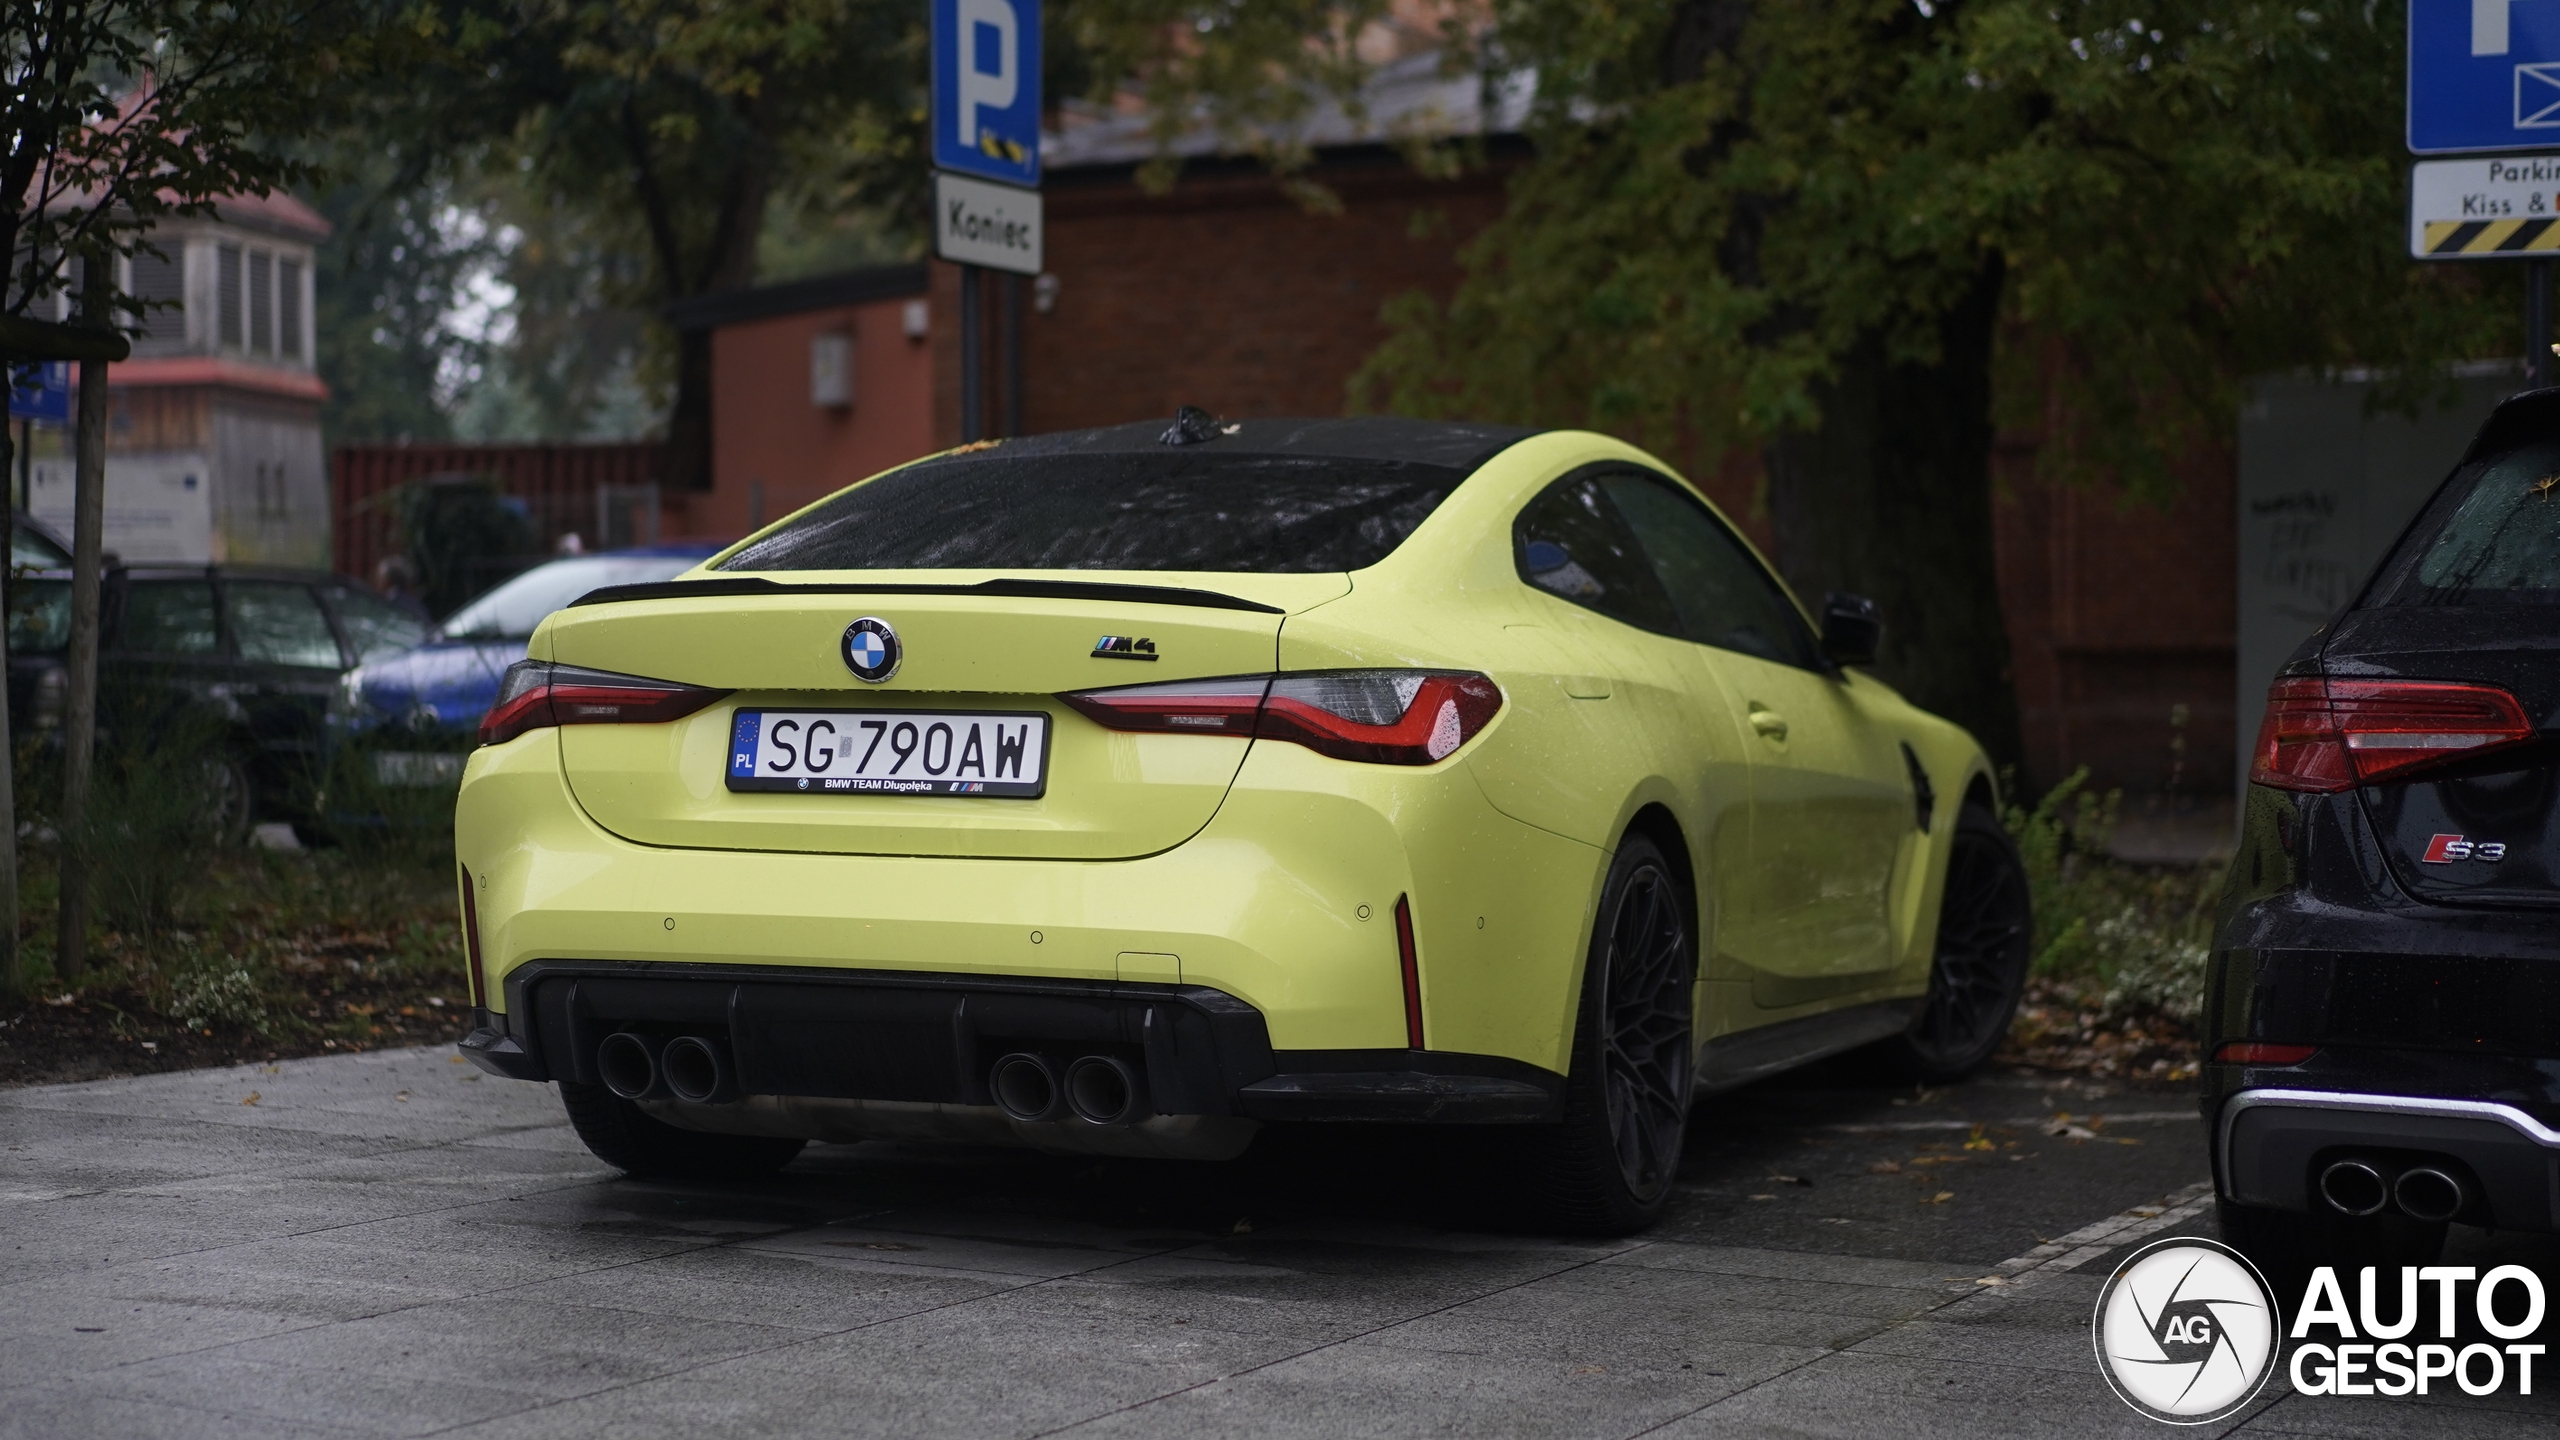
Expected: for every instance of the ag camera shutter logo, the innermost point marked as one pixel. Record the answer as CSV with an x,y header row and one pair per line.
x,y
2186,1331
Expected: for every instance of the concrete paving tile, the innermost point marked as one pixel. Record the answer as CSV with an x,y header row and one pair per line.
x,y
1001,1249
1790,1265
2408,1417
814,1293
1604,1315
1367,1390
2045,1328
366,1401
982,1370
54,1412
1853,1395
98,1332
519,1346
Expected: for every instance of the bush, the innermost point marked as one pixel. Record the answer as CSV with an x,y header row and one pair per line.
x,y
2134,937
209,990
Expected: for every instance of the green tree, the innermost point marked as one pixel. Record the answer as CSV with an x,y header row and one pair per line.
x,y
1840,232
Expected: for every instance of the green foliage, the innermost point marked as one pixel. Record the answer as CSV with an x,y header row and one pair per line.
x,y
122,112
2136,937
208,990
2182,193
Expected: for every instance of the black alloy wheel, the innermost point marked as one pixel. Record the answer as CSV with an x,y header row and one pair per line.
x,y
1986,928
1608,1167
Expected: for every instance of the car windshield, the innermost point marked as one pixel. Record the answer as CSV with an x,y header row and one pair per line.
x,y
511,611
2493,538
1177,510
30,549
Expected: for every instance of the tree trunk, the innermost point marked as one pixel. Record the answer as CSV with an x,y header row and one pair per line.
x,y
1891,497
80,705
12,980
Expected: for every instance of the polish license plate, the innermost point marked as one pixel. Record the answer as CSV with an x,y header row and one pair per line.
x,y
890,752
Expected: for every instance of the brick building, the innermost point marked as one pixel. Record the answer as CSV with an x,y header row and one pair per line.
x,y
1229,294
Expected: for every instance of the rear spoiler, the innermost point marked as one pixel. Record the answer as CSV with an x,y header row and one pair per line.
x,y
994,589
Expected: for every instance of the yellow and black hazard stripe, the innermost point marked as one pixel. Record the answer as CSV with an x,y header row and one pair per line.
x,y
2491,237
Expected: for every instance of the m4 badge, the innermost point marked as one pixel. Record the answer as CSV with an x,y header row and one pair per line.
x,y
2446,849
1124,647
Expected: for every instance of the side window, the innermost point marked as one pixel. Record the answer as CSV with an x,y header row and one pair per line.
x,y
169,617
1723,596
1571,541
279,622
375,626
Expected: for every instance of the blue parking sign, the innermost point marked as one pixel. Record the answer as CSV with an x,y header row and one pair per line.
x,y
41,392
2484,75
986,89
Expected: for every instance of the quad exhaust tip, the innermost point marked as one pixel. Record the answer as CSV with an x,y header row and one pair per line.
x,y
2355,1187
1025,1087
628,1064
2427,1193
697,1069
1102,1090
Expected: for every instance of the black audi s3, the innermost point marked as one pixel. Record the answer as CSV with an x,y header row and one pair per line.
x,y
2383,1015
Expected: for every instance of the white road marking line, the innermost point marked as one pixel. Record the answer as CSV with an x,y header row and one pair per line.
x,y
2087,1243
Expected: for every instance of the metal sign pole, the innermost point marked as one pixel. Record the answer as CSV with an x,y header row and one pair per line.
x,y
973,361
2537,323
1012,353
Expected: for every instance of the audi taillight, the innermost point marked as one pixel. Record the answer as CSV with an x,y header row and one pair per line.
x,y
1383,717
2323,733
536,693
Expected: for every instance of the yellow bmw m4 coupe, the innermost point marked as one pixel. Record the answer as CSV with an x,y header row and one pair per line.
x,y
1129,790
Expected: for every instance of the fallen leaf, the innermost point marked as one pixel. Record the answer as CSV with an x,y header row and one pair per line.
x,y
1764,1197
2068,1131
1942,1197
1592,1370
1793,1180
252,1100
1885,1167
1243,1227
453,1060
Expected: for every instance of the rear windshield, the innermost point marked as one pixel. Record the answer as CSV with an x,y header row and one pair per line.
x,y
2492,537
1171,511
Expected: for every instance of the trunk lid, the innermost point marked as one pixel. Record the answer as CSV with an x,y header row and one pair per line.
x,y
1009,646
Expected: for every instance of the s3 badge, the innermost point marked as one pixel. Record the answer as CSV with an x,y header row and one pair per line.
x,y
2446,849
871,650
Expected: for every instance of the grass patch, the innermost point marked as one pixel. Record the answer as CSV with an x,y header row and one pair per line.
x,y
258,955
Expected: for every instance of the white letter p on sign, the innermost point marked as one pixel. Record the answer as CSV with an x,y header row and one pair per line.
x,y
992,88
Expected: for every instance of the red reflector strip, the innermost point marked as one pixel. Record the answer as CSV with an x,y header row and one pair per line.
x,y
471,941
1412,975
2256,1052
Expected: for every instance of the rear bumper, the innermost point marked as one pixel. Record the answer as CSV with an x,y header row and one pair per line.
x,y
2271,1144
930,1039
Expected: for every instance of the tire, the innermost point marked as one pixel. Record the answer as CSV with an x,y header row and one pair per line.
x,y
650,1149
231,801
1608,1167
1986,928
2286,1244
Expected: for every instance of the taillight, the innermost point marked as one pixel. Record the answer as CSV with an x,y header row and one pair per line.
x,y
536,693
2322,733
1385,717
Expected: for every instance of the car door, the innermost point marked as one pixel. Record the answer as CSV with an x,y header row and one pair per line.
x,y
289,661
1573,543
162,673
1830,799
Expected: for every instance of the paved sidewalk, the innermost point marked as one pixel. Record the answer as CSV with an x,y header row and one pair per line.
x,y
391,1244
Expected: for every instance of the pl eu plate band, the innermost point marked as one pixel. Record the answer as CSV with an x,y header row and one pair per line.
x,y
2347,1100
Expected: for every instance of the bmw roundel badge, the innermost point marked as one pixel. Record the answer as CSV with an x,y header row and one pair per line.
x,y
871,649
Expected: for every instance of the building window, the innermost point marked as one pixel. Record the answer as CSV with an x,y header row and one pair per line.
x,y
831,370
226,264
274,502
289,308
161,282
262,301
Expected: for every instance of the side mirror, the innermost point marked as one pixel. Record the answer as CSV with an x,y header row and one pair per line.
x,y
1852,629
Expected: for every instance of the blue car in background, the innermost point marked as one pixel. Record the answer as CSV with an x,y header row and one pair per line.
x,y
408,721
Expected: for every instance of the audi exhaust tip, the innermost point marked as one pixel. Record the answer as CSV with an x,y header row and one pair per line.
x,y
2427,1193
2355,1187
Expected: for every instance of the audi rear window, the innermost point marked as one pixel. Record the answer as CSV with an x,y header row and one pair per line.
x,y
2491,538
1175,510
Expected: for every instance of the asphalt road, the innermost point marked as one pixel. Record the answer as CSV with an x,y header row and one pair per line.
x,y
392,1244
